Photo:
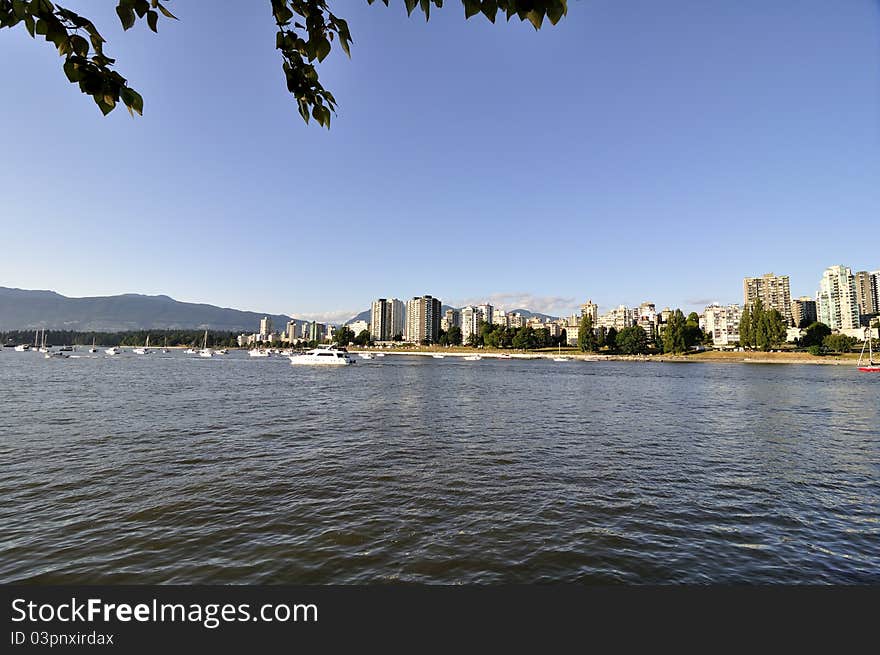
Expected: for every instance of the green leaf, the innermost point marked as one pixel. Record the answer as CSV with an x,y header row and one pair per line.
x,y
126,15
152,20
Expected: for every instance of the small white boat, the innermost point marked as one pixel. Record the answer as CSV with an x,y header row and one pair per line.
x,y
205,351
43,348
366,356
438,356
325,356
55,355
223,351
114,350
22,348
258,353
380,354
561,359
190,351
472,358
145,350
93,349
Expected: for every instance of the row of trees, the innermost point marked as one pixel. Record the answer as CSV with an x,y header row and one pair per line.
x,y
133,338
760,328
678,336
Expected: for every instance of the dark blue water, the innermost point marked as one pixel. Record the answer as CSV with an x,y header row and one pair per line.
x,y
172,469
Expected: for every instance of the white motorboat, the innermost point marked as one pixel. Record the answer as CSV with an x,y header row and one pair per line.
x,y
114,350
366,356
190,351
22,348
380,354
223,351
438,356
325,356
145,350
472,358
258,353
560,359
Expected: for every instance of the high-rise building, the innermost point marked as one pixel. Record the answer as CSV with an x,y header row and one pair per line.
x,y
836,300
645,316
471,317
618,319
803,311
487,311
316,331
451,318
265,328
379,327
290,332
866,293
722,324
386,319
423,319
590,309
773,291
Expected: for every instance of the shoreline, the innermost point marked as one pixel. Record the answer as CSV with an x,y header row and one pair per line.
x,y
702,357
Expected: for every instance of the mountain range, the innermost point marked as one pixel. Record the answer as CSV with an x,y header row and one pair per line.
x,y
22,309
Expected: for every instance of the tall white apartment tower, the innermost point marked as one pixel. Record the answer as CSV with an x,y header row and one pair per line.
x,y
386,319
836,300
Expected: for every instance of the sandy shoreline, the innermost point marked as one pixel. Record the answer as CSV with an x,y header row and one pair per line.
x,y
705,357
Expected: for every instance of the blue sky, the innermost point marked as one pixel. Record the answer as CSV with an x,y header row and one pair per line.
x,y
640,150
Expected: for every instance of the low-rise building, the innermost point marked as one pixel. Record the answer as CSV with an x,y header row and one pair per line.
x,y
722,324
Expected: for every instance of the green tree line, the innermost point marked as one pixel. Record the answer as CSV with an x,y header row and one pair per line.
x,y
134,338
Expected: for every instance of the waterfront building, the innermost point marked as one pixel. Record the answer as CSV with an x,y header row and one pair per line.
x,y
242,340
499,317
866,294
451,318
516,320
423,319
773,291
265,328
386,319
571,334
618,318
470,322
290,331
836,300
645,316
722,323
358,326
803,309
590,309
315,332
488,312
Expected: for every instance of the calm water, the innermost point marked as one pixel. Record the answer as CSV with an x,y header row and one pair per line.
x,y
173,469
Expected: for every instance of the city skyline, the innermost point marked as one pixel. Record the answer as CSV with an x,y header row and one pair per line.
x,y
659,164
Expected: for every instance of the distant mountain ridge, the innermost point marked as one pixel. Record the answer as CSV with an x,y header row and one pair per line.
x,y
22,309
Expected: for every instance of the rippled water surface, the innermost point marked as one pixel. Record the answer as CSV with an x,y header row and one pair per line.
x,y
173,469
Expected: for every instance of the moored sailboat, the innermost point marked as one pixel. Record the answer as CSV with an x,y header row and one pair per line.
x,y
872,366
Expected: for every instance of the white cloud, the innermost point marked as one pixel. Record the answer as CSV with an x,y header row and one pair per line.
x,y
339,316
554,305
